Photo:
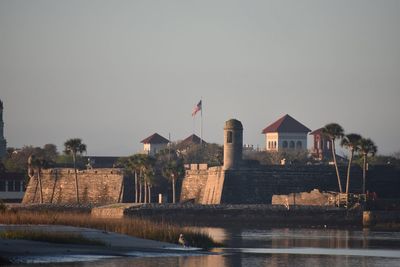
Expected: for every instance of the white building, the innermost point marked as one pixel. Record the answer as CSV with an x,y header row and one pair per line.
x,y
154,143
285,134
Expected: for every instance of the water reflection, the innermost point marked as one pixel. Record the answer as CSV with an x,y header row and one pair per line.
x,y
281,247
314,238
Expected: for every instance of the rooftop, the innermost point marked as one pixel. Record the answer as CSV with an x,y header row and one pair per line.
x,y
317,131
155,139
286,124
192,139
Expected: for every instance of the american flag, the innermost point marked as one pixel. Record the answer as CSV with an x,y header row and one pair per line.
x,y
196,109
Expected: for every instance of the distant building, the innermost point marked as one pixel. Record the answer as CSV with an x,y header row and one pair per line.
x,y
3,142
191,140
322,146
12,187
285,134
154,143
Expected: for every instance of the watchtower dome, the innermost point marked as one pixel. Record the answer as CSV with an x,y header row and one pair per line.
x,y
233,144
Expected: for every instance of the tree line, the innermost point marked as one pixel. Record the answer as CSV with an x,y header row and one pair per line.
x,y
354,143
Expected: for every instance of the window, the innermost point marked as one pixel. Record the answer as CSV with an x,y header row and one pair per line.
x,y
10,186
229,137
291,144
274,144
3,186
17,186
284,144
299,144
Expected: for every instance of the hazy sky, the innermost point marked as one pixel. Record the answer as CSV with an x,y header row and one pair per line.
x,y
114,72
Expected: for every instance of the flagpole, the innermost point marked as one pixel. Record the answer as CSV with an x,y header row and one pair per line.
x,y
194,124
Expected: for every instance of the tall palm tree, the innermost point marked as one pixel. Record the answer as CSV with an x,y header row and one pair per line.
x,y
148,177
149,181
172,171
142,166
367,147
35,165
75,146
134,163
351,142
334,131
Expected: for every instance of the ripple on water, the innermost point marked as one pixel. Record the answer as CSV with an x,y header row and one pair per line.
x,y
318,251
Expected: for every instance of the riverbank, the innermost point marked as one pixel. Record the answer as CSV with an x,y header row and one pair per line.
x,y
116,245
229,214
239,214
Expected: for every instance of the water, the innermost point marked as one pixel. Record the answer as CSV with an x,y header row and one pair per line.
x,y
274,247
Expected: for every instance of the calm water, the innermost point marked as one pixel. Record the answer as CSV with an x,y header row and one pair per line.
x,y
277,247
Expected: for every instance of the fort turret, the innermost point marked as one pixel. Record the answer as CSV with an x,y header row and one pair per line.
x,y
233,144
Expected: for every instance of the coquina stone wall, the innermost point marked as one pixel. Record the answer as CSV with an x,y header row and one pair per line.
x,y
193,184
96,186
258,185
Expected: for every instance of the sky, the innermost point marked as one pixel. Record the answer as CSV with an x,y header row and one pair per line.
x,y
115,72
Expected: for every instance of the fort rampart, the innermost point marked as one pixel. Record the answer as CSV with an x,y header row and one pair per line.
x,y
96,186
259,184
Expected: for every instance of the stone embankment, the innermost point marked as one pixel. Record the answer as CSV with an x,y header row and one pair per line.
x,y
227,214
260,214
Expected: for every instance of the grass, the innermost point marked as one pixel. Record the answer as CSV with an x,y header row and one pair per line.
x,y
137,227
61,238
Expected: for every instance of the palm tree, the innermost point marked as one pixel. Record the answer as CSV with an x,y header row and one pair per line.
x,y
149,182
367,147
148,177
134,164
172,171
74,146
35,165
143,168
334,131
351,142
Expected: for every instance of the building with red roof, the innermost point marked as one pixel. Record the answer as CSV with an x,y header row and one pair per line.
x,y
154,143
192,140
285,134
322,146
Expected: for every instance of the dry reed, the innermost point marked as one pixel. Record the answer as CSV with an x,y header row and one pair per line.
x,y
137,227
63,238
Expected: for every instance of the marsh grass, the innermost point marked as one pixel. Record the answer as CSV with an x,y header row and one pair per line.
x,y
62,238
137,227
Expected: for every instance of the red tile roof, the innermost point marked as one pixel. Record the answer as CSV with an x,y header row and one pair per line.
x,y
286,124
318,131
193,139
155,139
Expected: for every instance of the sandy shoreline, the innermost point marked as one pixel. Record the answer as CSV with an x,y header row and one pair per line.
x,y
116,244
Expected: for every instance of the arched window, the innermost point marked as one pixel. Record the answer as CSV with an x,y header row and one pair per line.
x,y
291,144
229,137
274,144
269,144
284,144
299,145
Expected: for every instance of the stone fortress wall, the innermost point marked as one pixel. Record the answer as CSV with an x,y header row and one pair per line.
x,y
236,182
96,186
239,183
